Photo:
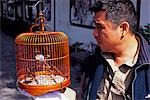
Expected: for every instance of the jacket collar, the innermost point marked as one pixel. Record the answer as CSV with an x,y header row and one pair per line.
x,y
144,54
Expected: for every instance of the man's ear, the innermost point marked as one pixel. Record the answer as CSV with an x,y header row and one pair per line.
x,y
124,28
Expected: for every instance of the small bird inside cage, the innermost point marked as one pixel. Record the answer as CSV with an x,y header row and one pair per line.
x,y
49,75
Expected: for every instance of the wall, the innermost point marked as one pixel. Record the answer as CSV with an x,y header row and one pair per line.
x,y
76,33
62,24
145,12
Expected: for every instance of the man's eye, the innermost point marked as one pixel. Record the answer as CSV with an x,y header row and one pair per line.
x,y
99,26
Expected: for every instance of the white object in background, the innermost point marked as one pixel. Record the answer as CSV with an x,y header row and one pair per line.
x,y
147,97
57,95
69,94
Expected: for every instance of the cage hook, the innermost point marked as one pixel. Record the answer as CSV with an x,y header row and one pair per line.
x,y
34,5
41,19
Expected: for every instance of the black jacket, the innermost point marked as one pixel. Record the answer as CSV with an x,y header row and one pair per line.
x,y
140,85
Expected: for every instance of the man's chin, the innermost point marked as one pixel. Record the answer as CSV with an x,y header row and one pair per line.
x,y
103,49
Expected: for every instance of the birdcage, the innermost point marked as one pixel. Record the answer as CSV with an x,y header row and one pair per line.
x,y
42,60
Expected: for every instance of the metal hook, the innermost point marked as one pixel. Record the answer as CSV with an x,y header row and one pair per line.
x,y
34,6
44,9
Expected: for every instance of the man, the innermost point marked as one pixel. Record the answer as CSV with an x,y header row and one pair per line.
x,y
123,63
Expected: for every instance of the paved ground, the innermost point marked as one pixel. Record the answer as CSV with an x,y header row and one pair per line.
x,y
8,89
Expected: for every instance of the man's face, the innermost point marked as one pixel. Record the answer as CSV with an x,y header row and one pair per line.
x,y
106,35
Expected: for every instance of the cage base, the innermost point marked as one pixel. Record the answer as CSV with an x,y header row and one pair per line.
x,y
39,90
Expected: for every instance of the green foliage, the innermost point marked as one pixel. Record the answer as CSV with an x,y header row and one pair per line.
x,y
147,28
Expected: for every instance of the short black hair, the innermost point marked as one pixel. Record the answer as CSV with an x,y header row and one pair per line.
x,y
97,6
117,11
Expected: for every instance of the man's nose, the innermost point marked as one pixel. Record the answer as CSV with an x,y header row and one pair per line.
x,y
95,33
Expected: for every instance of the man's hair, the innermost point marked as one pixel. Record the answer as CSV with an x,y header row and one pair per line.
x,y
117,11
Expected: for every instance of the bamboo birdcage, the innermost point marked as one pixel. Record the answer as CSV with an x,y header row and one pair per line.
x,y
42,60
